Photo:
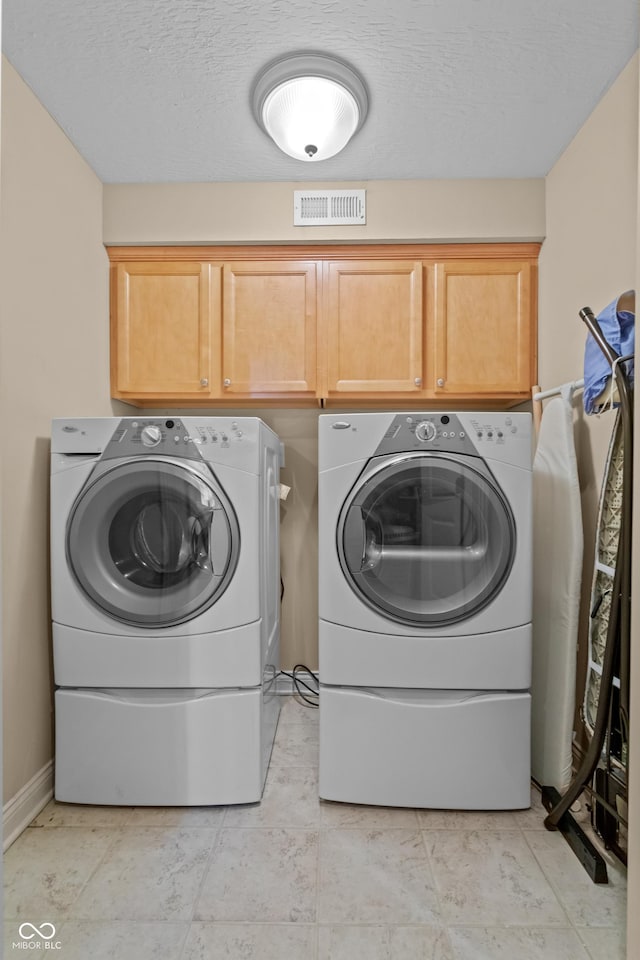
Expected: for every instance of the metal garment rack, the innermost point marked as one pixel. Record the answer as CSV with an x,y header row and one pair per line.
x,y
596,774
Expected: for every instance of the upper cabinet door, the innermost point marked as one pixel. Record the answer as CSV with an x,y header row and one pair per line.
x,y
374,327
165,329
269,328
484,328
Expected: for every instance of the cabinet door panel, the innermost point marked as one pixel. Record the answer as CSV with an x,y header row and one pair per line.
x,y
483,328
374,327
167,315
269,327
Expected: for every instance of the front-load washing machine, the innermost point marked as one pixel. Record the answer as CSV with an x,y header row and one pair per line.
x,y
165,608
425,566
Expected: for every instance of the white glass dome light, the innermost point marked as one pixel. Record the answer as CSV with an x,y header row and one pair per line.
x,y
310,105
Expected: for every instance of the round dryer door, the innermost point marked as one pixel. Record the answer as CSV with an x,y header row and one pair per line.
x,y
152,543
426,539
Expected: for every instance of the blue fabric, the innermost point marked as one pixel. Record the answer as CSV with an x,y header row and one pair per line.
x,y
618,329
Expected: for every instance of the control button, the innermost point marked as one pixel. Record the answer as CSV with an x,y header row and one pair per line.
x,y
500,434
151,435
462,434
479,434
426,431
490,434
508,421
514,429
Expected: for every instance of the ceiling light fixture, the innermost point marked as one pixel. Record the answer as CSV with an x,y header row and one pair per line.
x,y
309,104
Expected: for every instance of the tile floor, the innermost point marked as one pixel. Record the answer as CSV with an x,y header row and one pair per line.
x,y
294,877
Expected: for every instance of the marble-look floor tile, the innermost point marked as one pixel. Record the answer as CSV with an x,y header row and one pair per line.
x,y
261,875
366,817
605,943
290,799
375,876
150,873
251,941
516,943
533,818
57,814
419,943
210,818
587,904
296,745
46,869
381,942
295,711
491,877
117,940
466,820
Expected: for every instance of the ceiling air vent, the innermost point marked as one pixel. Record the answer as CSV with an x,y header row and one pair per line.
x,y
316,208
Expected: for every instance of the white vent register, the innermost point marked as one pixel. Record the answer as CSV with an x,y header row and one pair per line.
x,y
314,208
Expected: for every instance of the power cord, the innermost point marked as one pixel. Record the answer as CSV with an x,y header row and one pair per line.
x,y
298,684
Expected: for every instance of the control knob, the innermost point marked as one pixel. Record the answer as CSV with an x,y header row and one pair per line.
x,y
151,435
426,430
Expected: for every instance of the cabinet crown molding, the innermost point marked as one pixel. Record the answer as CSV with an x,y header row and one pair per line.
x,y
430,252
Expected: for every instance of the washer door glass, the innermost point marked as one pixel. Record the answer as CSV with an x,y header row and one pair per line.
x,y
426,539
152,543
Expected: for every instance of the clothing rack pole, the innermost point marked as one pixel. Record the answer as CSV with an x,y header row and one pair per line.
x,y
617,640
624,546
556,391
538,396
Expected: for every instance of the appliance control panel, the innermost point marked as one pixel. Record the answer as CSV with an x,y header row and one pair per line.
x,y
469,433
171,436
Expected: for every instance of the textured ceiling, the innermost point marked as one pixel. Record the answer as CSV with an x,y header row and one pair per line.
x,y
159,90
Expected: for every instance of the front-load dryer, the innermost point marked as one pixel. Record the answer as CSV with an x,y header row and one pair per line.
x,y
425,608
165,608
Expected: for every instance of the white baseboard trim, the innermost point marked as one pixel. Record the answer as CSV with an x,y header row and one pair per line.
x,y
18,812
286,687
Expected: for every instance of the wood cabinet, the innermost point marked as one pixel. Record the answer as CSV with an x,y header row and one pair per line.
x,y
269,329
483,328
374,329
391,324
165,330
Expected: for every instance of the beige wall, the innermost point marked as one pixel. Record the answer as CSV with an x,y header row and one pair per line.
x,y
54,362
587,259
429,210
